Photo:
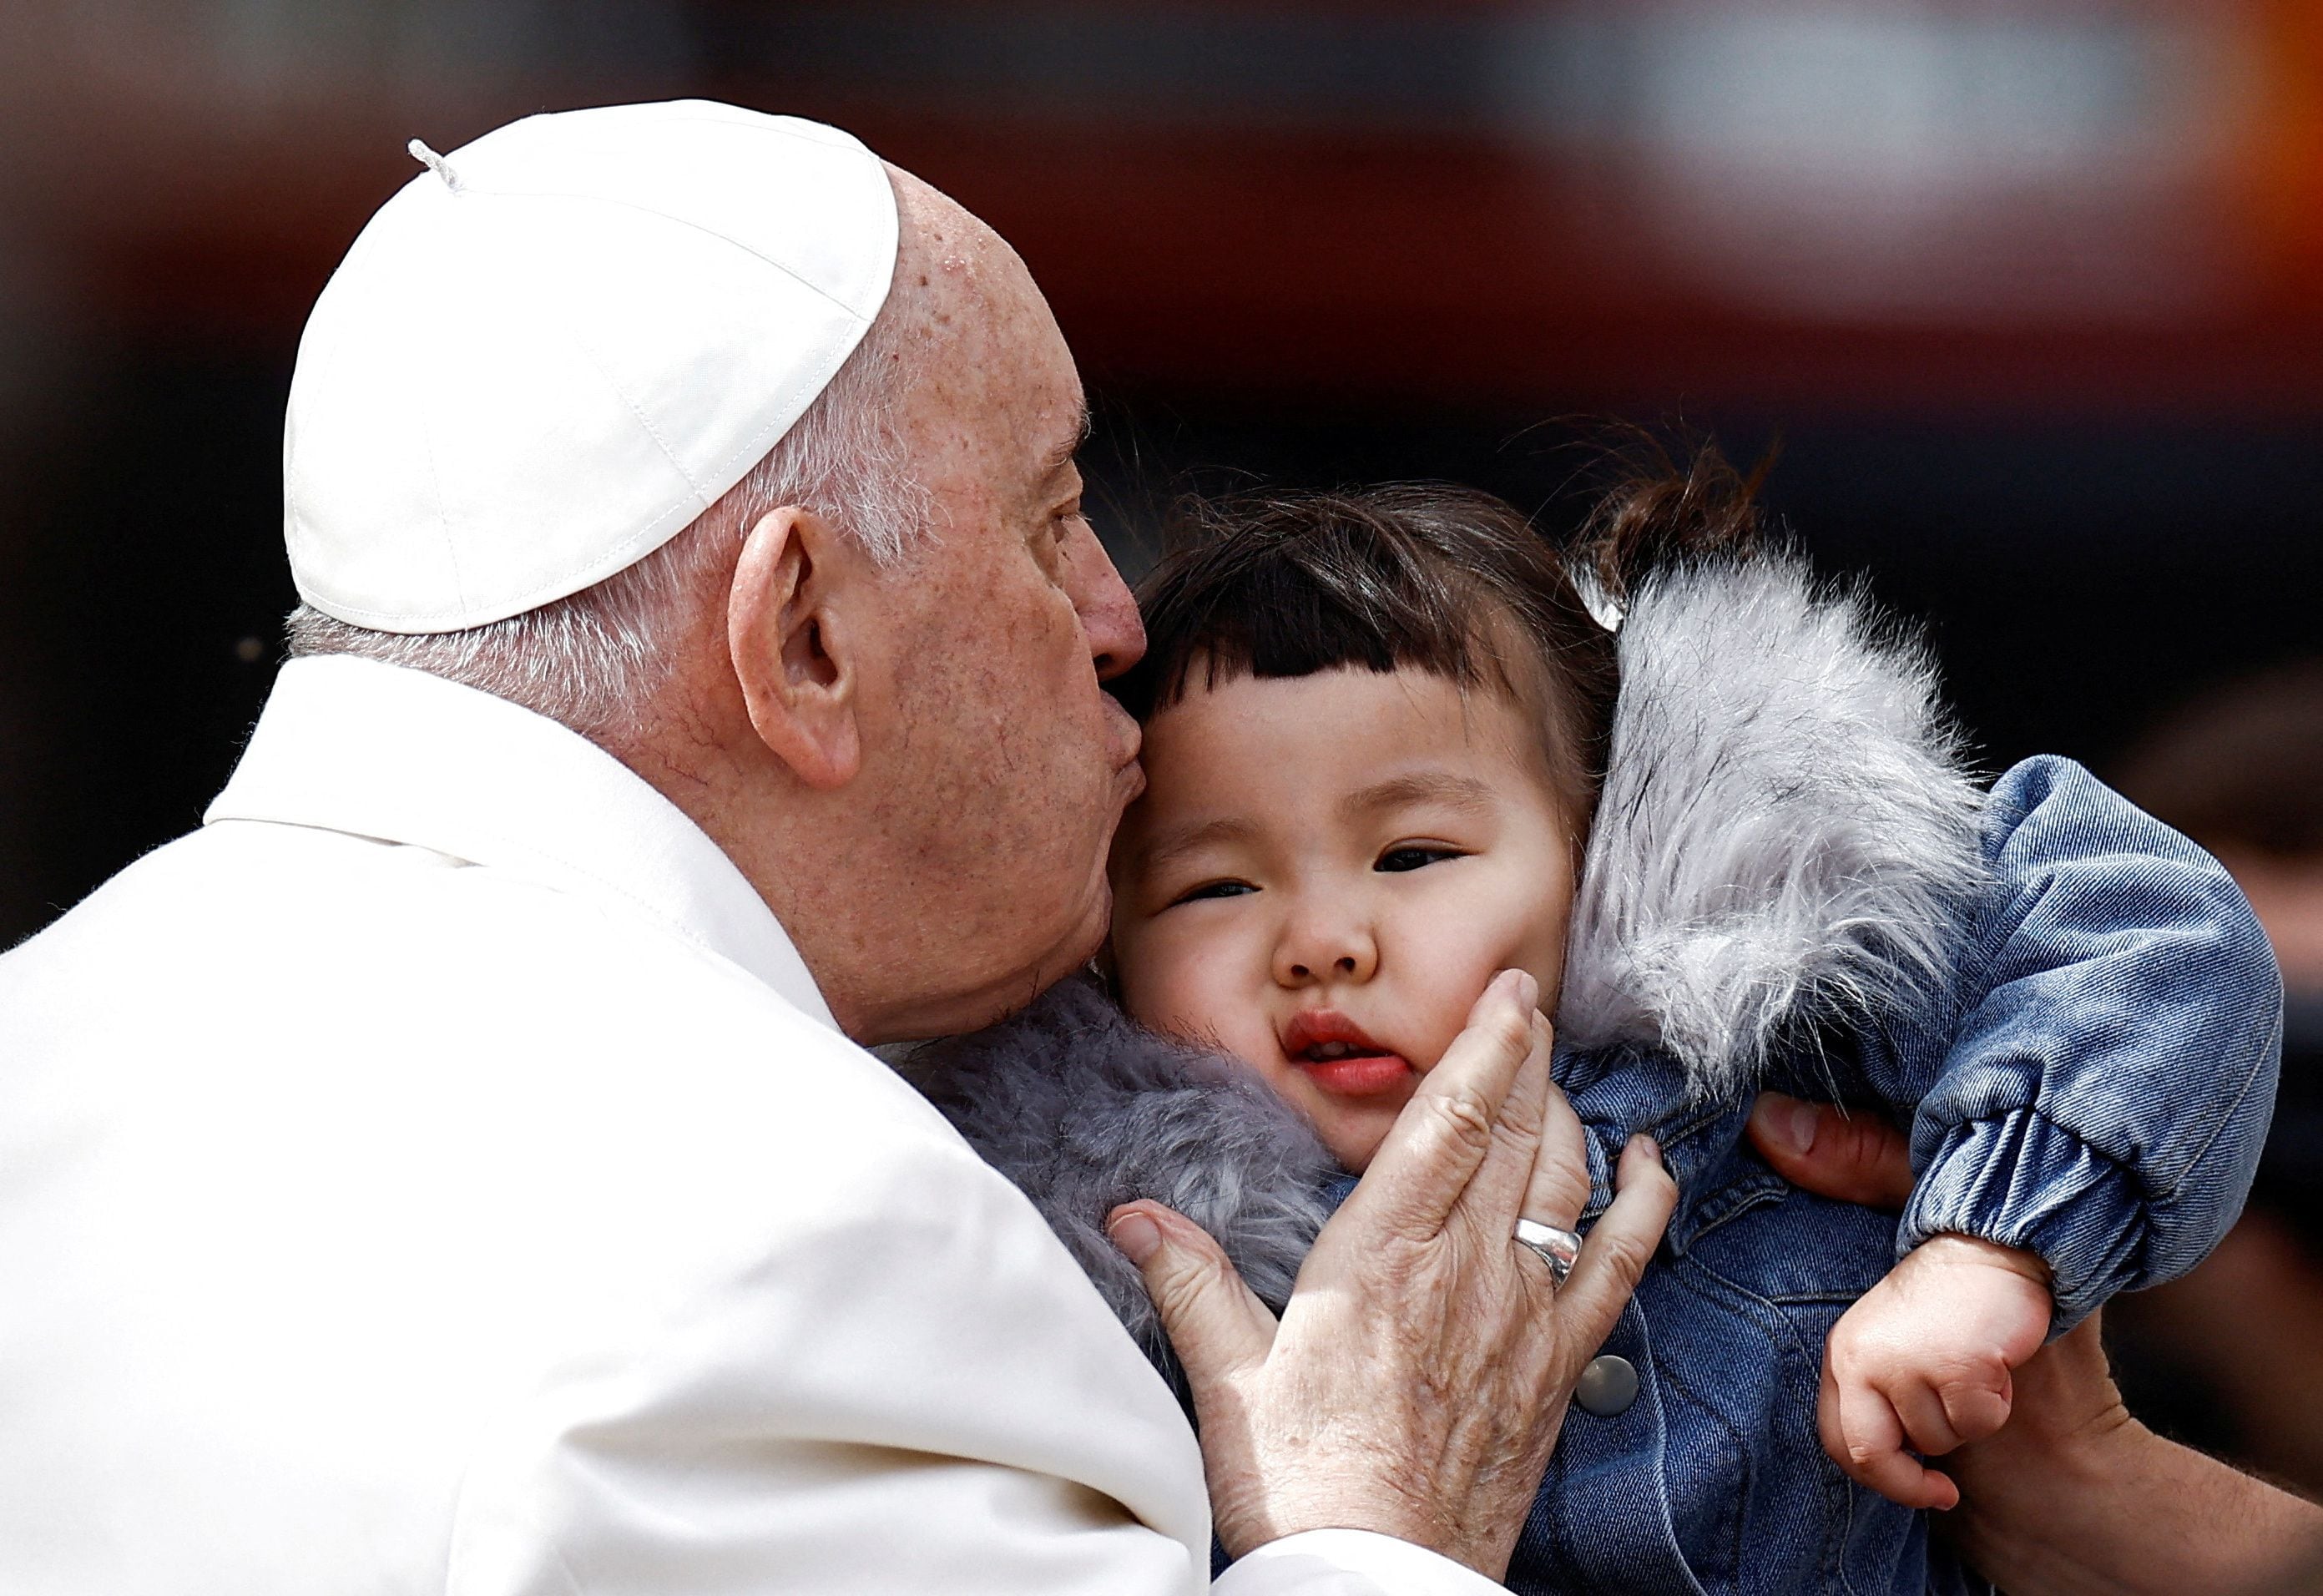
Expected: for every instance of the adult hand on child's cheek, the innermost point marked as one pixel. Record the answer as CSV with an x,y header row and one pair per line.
x,y
1420,1372
1925,1360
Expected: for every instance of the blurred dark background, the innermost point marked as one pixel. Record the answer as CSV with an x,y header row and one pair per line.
x,y
2029,292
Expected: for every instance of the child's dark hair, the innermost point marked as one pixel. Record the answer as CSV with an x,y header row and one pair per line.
x,y
1436,578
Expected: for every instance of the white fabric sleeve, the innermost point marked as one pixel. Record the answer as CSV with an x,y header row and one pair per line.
x,y
868,1368
1349,1563
914,1389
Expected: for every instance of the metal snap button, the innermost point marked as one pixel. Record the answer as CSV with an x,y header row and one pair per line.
x,y
1607,1387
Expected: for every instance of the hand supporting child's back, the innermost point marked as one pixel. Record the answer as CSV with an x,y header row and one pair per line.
x,y
1923,1361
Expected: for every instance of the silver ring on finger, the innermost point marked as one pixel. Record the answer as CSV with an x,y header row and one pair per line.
x,y
1558,1248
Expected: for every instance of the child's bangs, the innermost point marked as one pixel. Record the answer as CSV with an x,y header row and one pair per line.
x,y
1307,585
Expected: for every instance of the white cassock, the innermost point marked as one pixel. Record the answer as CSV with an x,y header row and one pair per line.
x,y
440,1174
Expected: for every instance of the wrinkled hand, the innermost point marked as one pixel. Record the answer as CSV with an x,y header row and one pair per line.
x,y
1926,1359
2041,1497
1419,1375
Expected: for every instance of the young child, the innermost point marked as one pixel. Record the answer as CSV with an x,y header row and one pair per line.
x,y
1395,745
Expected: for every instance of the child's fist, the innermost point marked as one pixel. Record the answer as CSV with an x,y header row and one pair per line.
x,y
1923,1361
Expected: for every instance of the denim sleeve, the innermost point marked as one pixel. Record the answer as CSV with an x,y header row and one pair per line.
x,y
2098,1088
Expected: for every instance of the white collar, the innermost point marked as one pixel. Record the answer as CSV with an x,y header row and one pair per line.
x,y
376,750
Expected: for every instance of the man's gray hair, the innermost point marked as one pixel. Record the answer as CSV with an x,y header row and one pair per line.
x,y
596,659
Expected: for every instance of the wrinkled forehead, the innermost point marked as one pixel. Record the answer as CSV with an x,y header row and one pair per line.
x,y
996,397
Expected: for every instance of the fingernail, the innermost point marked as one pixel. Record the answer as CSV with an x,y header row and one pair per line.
x,y
1525,991
1788,1122
1646,1145
1138,1237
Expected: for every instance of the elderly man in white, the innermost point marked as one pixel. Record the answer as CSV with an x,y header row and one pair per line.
x,y
449,1170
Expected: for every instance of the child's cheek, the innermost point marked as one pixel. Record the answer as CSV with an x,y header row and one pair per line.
x,y
1191,986
1144,972
1459,972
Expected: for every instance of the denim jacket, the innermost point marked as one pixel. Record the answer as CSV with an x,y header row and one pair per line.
x,y
2093,1086
1790,885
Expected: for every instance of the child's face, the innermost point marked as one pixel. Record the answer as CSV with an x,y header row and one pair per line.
x,y
1325,873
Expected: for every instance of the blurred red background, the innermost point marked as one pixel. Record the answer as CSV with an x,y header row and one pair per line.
x,y
2030,292
1931,206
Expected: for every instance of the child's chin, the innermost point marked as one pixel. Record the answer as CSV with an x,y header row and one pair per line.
x,y
1355,1147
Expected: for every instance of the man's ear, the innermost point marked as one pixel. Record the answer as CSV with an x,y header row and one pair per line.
x,y
796,590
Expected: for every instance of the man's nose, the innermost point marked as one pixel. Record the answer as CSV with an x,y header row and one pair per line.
x,y
1316,949
1109,618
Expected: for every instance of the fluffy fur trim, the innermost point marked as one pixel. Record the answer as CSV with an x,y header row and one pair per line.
x,y
1786,833
1085,1110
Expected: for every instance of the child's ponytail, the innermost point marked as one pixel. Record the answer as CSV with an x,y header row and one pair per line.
x,y
1655,514
1652,517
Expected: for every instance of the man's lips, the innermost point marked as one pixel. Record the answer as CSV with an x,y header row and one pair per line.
x,y
1129,741
1339,1058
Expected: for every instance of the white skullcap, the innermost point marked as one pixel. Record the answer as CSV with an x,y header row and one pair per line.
x,y
556,346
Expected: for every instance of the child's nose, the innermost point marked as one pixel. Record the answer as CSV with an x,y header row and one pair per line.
x,y
1346,955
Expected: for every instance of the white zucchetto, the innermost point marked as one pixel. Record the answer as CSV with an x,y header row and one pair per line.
x,y
555,346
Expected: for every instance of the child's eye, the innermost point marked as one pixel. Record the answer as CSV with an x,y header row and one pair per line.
x,y
1412,855
1213,889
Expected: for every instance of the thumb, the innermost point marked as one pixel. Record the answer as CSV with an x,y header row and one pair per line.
x,y
1216,1325
1820,1147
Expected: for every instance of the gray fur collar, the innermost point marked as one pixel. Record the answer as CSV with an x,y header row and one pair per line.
x,y
1785,838
1085,1109
1786,834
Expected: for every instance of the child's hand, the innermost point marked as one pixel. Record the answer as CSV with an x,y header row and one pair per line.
x,y
1923,1360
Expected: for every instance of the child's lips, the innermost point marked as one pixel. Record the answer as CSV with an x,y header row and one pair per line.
x,y
1339,1058
1358,1074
